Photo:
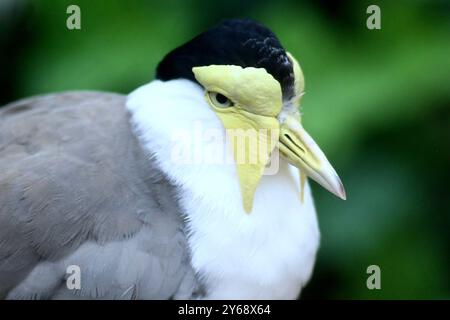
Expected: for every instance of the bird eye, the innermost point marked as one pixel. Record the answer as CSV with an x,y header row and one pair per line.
x,y
219,100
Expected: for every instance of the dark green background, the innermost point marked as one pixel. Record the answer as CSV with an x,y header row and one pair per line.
x,y
378,103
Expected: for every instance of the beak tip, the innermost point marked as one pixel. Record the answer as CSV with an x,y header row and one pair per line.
x,y
341,190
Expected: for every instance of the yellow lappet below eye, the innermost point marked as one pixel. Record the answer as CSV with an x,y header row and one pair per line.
x,y
256,101
219,100
247,101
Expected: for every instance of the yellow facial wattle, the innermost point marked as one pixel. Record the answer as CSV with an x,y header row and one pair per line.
x,y
250,121
249,101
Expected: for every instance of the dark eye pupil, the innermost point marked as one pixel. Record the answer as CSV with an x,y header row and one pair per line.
x,y
221,98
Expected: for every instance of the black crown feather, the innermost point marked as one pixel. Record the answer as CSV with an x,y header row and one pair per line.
x,y
243,43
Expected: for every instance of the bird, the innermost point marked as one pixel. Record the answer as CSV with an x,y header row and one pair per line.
x,y
109,183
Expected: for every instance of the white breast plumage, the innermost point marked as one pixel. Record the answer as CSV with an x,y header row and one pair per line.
x,y
268,254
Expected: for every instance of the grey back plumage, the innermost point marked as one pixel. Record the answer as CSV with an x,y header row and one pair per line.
x,y
77,189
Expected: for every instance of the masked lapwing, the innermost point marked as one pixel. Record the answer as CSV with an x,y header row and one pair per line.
x,y
193,186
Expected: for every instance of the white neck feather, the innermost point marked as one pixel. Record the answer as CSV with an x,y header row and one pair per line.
x,y
266,254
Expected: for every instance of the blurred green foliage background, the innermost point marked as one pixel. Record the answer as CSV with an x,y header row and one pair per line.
x,y
378,102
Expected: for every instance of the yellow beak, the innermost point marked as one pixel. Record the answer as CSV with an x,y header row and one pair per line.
x,y
297,146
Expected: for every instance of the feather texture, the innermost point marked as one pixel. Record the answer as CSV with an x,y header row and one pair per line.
x,y
76,189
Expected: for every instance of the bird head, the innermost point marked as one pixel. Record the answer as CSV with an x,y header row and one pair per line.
x,y
254,87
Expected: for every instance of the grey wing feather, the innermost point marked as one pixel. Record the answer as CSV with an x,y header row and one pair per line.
x,y
77,189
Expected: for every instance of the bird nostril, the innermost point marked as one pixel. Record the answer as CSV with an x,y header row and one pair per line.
x,y
291,140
